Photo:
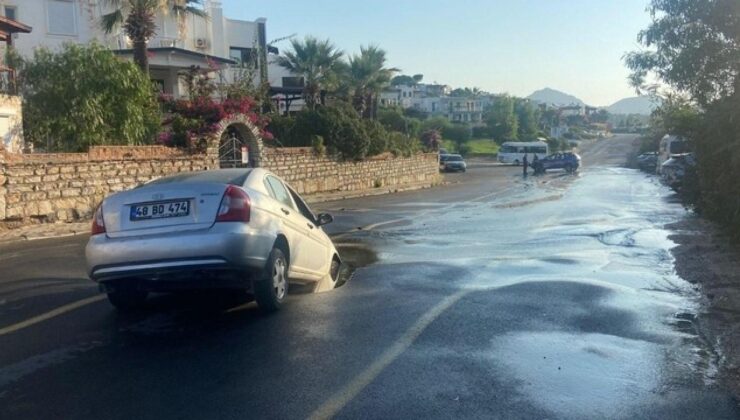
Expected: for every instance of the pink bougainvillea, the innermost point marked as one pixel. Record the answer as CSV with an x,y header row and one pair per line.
x,y
189,121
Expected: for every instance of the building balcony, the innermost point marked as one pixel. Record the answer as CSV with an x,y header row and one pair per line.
x,y
8,82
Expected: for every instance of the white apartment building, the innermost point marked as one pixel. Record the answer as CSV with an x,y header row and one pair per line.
x,y
401,95
463,110
176,47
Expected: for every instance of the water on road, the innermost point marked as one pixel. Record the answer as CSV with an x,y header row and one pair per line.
x,y
571,304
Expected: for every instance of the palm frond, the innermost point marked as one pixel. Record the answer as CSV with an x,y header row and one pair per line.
x,y
109,22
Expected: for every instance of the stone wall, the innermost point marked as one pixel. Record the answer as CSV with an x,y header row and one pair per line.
x,y
311,174
68,186
38,188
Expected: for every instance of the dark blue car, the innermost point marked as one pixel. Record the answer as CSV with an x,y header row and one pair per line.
x,y
568,161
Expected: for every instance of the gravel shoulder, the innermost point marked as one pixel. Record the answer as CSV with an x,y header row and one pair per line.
x,y
706,257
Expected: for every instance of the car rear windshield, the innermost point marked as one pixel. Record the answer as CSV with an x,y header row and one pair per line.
x,y
222,176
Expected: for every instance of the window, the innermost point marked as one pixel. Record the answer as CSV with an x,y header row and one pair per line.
x,y
278,191
61,18
243,56
302,206
11,12
293,81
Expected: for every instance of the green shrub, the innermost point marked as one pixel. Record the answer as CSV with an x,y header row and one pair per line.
x,y
436,123
377,136
431,140
281,128
82,96
482,132
459,133
392,119
345,132
463,148
402,145
317,142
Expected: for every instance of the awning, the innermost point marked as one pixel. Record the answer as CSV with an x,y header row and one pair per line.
x,y
177,57
9,27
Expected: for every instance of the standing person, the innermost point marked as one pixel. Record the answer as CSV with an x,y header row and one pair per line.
x,y
535,160
525,164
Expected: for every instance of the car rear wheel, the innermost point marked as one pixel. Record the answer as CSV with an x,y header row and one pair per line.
x,y
271,289
127,300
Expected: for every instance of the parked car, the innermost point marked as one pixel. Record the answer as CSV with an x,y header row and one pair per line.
x,y
452,163
237,229
670,145
674,170
568,161
648,162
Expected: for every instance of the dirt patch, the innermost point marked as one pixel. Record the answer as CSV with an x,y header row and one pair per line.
x,y
705,257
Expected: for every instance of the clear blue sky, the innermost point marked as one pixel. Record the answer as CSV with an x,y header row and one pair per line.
x,y
514,46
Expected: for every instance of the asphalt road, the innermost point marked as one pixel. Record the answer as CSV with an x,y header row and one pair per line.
x,y
495,296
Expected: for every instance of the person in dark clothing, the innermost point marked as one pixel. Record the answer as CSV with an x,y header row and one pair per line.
x,y
535,159
525,164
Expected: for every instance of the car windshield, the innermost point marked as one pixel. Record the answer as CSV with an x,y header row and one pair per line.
x,y
345,209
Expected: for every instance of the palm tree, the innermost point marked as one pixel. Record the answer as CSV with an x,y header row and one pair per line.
x,y
368,76
319,62
137,18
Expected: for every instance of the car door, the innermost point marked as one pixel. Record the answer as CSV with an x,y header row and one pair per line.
x,y
317,238
295,228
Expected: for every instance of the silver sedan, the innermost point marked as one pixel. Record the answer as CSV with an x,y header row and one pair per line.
x,y
241,229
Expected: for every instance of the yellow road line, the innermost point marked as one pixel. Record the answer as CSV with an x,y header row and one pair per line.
x,y
51,314
341,398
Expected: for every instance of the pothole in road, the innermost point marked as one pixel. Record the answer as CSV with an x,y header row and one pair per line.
x,y
354,255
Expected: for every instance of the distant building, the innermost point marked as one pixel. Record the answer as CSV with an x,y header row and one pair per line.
x,y
202,42
572,110
464,110
433,90
11,112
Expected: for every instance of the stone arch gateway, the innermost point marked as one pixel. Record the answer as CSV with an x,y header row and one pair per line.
x,y
232,135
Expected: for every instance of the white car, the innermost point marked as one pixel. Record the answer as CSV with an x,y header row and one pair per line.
x,y
241,229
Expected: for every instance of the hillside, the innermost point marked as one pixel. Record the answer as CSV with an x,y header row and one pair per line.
x,y
642,105
554,97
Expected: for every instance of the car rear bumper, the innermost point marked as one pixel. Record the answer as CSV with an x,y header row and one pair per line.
x,y
454,168
222,248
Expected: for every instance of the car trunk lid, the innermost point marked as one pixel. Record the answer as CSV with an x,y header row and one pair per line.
x,y
162,208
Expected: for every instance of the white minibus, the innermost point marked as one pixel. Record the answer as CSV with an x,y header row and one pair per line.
x,y
513,152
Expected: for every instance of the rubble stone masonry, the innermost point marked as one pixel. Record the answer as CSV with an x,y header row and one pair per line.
x,y
68,186
312,174
65,187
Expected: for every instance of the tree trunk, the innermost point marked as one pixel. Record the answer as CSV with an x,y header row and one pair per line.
x,y
358,102
368,107
140,55
309,96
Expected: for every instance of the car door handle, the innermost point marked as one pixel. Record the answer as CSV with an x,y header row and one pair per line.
x,y
310,226
285,211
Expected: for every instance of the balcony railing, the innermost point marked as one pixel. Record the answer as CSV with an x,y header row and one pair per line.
x,y
8,82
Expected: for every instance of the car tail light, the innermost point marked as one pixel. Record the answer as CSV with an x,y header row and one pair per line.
x,y
98,224
235,206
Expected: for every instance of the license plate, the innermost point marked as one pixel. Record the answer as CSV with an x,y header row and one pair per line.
x,y
163,210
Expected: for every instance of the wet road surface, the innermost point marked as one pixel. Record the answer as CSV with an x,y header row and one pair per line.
x,y
492,297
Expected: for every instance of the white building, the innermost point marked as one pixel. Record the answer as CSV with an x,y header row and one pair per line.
x,y
464,110
401,95
176,47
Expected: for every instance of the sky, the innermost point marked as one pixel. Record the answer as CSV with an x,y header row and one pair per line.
x,y
513,46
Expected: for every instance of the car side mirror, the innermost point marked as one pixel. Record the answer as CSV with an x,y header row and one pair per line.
x,y
324,219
